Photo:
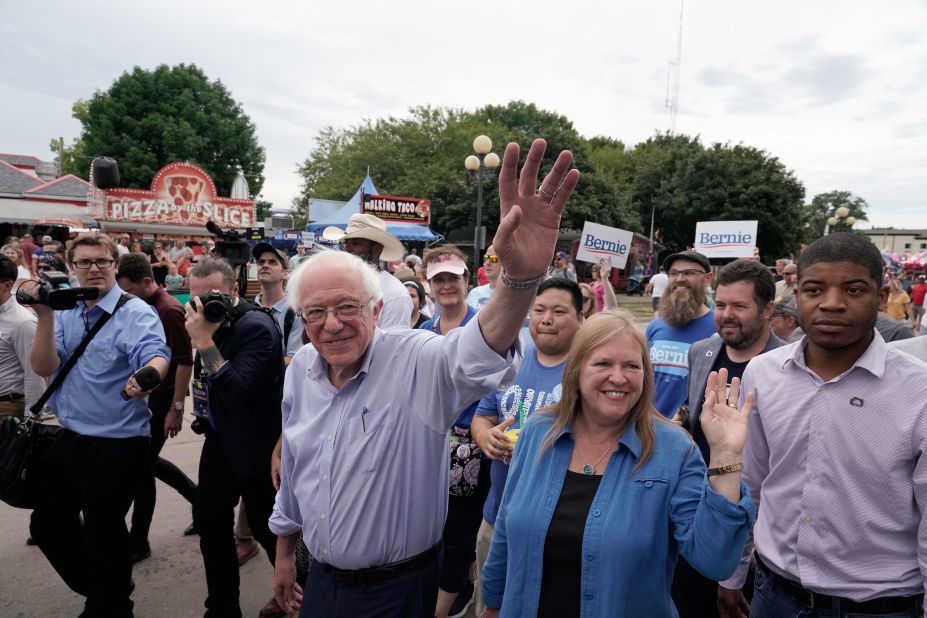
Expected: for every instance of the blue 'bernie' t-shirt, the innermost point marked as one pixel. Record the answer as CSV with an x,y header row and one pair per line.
x,y
534,387
669,355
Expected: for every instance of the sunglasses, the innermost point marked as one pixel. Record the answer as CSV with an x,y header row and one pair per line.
x,y
491,258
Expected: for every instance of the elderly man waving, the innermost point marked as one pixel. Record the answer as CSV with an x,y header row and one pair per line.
x,y
366,413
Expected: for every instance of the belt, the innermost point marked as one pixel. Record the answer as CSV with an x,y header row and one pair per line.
x,y
373,575
11,397
816,600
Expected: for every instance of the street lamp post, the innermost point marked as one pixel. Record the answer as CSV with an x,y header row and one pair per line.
x,y
842,214
481,167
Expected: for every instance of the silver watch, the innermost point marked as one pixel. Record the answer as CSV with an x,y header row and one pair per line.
x,y
178,406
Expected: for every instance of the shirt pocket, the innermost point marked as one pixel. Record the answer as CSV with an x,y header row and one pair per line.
x,y
100,357
366,442
651,485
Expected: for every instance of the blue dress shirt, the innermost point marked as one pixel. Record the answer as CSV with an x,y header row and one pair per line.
x,y
638,522
89,401
365,467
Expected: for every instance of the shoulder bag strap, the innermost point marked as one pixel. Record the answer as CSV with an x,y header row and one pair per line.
x,y
72,360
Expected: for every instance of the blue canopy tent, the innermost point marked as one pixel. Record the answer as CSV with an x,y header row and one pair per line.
x,y
338,217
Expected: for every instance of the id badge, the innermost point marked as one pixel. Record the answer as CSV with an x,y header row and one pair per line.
x,y
200,399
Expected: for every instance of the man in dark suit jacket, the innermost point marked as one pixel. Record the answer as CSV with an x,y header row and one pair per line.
x,y
237,390
743,306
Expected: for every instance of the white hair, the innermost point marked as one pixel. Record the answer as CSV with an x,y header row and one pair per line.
x,y
336,261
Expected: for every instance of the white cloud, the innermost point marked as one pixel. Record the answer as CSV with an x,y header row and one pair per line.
x,y
832,88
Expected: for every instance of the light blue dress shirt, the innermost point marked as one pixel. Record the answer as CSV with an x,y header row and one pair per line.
x,y
295,341
637,524
365,467
89,401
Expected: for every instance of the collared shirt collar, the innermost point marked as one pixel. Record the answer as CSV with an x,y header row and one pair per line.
x,y
629,439
109,299
278,307
872,360
9,304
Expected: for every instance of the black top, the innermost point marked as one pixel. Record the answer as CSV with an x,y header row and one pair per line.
x,y
561,573
734,370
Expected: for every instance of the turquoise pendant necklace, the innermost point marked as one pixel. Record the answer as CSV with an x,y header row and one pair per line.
x,y
589,469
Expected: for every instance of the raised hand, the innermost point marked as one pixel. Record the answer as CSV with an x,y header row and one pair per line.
x,y
725,426
530,218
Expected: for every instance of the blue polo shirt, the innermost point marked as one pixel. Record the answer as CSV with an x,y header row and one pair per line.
x,y
89,401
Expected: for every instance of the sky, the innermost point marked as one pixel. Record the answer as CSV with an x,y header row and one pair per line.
x,y
835,89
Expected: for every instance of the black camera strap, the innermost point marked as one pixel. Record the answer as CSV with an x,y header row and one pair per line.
x,y
72,359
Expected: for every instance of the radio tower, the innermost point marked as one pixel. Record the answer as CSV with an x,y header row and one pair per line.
x,y
672,77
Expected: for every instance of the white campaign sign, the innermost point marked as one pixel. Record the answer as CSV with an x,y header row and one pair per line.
x,y
601,241
725,239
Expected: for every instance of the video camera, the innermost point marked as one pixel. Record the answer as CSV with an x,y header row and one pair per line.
x,y
232,246
55,291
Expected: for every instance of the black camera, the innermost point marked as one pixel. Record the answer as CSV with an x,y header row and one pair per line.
x,y
55,291
216,306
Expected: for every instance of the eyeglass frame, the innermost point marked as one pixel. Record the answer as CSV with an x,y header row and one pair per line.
x,y
96,263
686,274
325,311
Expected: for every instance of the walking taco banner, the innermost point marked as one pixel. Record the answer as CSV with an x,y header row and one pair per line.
x,y
397,209
725,239
180,194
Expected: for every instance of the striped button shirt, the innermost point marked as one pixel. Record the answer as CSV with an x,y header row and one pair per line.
x,y
839,473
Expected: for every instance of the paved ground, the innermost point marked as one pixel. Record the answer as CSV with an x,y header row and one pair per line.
x,y
169,584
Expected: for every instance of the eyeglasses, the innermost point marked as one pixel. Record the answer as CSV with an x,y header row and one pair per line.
x,y
688,273
342,311
491,258
101,263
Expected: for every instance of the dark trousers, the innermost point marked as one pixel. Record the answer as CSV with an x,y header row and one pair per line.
x,y
771,601
696,596
96,477
464,516
410,595
214,517
168,473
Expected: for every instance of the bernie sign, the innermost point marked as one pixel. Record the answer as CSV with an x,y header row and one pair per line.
x,y
600,241
725,239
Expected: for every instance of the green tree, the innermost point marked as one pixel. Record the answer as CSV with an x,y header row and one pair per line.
x,y
682,183
422,155
825,205
148,119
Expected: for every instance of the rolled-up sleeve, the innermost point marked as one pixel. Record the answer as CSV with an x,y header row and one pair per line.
x,y
145,340
458,369
710,529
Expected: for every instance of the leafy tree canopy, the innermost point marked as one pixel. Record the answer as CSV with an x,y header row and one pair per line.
x,y
148,119
675,178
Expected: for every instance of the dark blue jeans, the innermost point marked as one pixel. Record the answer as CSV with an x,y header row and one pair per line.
x,y
770,601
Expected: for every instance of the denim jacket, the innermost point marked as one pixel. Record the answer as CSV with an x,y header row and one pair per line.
x,y
637,524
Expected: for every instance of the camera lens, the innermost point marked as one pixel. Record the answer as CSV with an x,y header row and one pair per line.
x,y
214,311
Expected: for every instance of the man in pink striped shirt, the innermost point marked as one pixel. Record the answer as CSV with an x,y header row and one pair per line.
x,y
836,457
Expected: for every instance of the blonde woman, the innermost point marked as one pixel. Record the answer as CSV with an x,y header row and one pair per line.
x,y
603,493
16,254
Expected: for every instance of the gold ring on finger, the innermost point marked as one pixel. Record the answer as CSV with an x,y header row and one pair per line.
x,y
546,195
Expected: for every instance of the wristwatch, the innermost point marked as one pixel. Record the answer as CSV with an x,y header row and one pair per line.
x,y
178,406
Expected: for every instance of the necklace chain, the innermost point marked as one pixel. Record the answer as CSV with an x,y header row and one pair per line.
x,y
589,469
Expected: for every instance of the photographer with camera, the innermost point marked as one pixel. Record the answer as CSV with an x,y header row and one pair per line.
x,y
102,455
237,390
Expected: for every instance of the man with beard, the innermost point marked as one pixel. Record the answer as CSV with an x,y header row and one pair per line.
x,y
743,306
684,319
367,238
835,449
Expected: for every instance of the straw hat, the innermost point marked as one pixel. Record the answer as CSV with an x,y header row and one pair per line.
x,y
371,228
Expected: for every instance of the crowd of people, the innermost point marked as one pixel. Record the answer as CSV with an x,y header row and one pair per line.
x,y
401,445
